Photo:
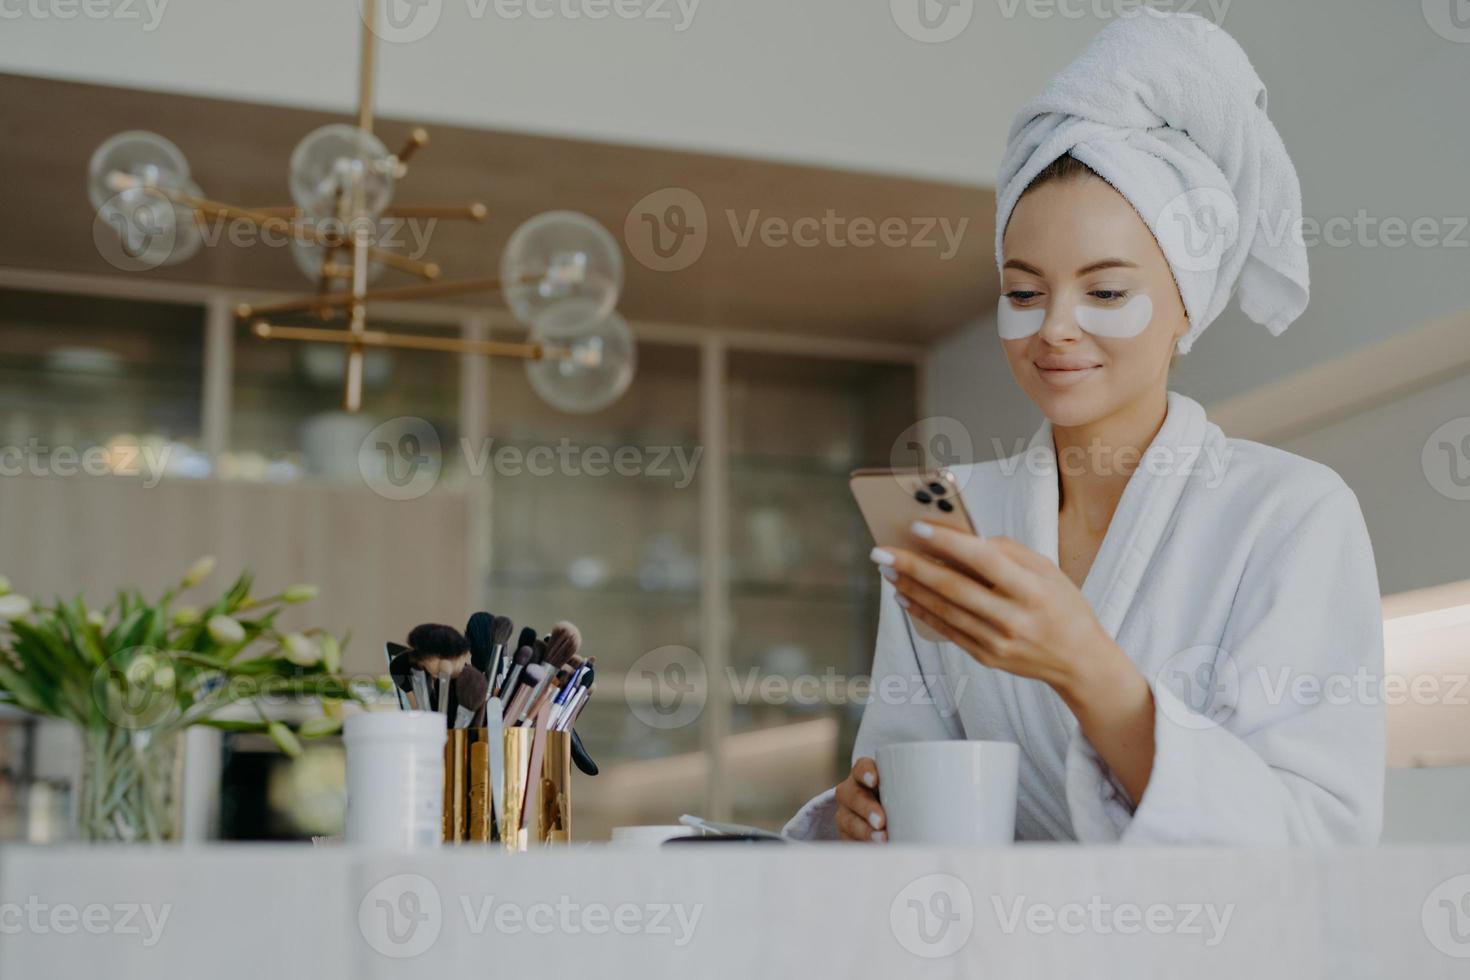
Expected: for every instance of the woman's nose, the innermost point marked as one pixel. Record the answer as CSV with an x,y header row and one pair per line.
x,y
1060,325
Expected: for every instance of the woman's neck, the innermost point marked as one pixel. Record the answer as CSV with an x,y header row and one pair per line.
x,y
1094,461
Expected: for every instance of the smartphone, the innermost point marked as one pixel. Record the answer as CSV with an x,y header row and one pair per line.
x,y
891,500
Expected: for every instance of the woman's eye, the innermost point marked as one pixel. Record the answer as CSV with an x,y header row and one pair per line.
x,y
1109,295
1022,297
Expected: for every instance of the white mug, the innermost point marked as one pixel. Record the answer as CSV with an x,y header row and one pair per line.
x,y
958,792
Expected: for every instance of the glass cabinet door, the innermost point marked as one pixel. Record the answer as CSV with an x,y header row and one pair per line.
x,y
595,518
83,373
803,593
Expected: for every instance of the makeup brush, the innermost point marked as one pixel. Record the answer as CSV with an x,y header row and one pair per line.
x,y
580,757
523,656
495,738
421,689
442,651
500,630
469,690
398,672
561,646
479,632
535,675
567,697
526,639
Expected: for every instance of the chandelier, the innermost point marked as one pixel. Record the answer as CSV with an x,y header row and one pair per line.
x,y
560,274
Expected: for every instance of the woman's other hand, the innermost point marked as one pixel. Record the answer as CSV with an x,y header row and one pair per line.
x,y
859,814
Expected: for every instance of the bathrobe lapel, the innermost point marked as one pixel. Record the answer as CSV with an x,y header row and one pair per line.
x,y
1138,528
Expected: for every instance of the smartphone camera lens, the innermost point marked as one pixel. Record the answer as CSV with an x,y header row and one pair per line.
x,y
946,506
937,489
923,497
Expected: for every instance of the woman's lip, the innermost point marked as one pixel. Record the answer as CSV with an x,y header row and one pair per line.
x,y
1066,377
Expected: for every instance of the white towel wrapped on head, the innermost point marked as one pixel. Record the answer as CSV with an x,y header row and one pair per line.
x,y
1167,108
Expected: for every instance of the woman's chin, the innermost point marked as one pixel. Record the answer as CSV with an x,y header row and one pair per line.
x,y
1070,401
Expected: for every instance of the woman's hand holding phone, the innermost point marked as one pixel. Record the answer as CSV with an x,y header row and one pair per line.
x,y
860,816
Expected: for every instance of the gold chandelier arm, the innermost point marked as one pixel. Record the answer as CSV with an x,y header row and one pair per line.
x,y
227,212
468,212
379,338
337,300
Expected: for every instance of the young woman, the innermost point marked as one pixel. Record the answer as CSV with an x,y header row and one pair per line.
x,y
1181,631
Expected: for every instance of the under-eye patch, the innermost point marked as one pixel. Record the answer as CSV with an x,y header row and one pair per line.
x,y
1017,324
1128,320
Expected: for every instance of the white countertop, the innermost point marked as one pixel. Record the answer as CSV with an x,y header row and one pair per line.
x,y
739,911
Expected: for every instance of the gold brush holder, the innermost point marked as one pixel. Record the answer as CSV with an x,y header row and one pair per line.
x,y
554,823
519,814
537,813
481,814
456,787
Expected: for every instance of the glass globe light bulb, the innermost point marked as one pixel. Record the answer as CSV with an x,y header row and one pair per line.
x,y
561,258
337,157
602,361
149,159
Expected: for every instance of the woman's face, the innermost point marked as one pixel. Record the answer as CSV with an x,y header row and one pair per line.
x,y
1089,313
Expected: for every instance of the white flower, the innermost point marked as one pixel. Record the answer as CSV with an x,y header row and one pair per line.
x,y
199,571
300,650
331,654
299,593
14,606
186,615
96,618
225,631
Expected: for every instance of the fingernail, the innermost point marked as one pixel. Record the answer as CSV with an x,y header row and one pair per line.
x,y
921,529
879,837
881,556
876,819
868,780
902,601
888,573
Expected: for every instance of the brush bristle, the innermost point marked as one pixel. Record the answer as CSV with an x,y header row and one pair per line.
x,y
527,638
565,641
524,655
470,689
438,640
502,629
479,631
400,669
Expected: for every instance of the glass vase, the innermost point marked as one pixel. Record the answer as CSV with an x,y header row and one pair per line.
x,y
130,785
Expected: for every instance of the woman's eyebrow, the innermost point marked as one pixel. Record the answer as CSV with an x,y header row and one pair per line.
x,y
1023,267
1106,264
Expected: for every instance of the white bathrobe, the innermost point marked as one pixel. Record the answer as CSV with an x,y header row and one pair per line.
x,y
1240,579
